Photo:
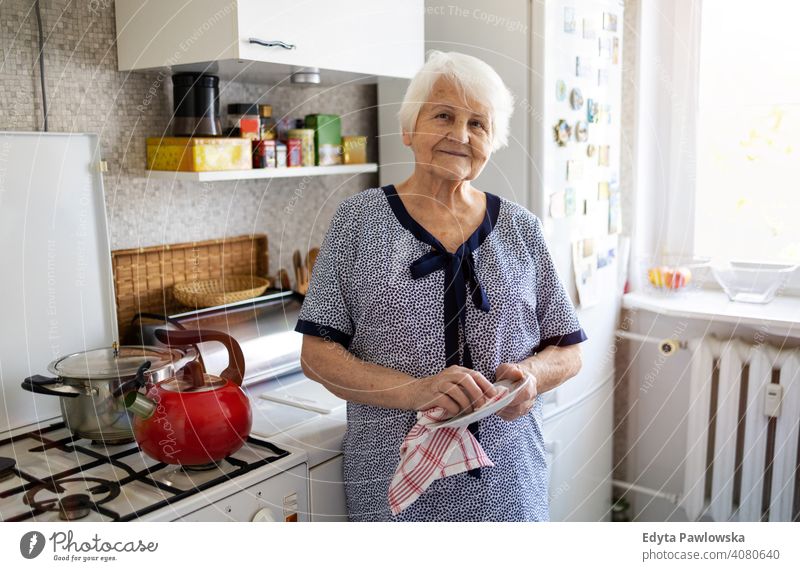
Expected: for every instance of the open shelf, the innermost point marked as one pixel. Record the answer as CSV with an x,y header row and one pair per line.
x,y
288,172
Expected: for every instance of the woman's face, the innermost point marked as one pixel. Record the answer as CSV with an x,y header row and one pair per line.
x,y
452,139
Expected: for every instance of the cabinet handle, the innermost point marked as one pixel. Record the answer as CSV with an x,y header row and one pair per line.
x,y
272,43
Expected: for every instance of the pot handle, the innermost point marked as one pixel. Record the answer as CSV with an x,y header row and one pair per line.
x,y
133,384
38,384
235,369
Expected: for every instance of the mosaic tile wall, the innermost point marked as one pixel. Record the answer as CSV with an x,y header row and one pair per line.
x,y
86,93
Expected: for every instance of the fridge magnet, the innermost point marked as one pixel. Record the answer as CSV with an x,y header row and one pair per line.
x,y
590,150
602,155
584,266
609,22
562,132
615,51
561,90
574,170
581,131
589,29
602,190
582,68
614,212
602,77
606,252
592,109
576,98
557,205
604,47
569,201
569,20
607,113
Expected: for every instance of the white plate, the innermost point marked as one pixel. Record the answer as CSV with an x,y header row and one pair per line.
x,y
467,419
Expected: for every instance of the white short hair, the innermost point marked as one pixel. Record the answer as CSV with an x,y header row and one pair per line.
x,y
478,80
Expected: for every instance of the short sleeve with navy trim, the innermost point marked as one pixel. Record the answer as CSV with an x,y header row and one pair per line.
x,y
558,322
325,312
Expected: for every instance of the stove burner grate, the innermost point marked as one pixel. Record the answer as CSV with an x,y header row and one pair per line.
x,y
6,468
200,467
113,442
72,504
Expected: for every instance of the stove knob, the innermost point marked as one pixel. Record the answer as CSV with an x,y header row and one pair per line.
x,y
264,514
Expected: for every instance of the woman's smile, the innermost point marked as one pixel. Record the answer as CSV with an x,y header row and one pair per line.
x,y
454,153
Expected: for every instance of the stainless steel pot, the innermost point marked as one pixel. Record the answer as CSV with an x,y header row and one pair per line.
x,y
91,383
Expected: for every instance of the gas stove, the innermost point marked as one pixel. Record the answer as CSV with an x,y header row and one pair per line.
x,y
47,474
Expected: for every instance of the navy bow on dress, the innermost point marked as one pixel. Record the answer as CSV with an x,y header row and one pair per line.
x,y
459,277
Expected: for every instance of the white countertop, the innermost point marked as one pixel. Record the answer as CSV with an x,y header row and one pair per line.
x,y
318,434
782,315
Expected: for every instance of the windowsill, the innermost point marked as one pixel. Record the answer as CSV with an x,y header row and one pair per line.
x,y
781,316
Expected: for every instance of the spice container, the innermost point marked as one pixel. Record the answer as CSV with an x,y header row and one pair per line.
x,y
294,153
267,123
244,121
354,149
283,126
264,154
306,138
280,155
327,138
196,105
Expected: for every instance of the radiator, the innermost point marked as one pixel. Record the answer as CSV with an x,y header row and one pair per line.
x,y
742,446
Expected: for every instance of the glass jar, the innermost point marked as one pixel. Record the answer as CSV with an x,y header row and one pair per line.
x,y
267,123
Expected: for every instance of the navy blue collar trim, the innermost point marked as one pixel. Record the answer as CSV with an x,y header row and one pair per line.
x,y
421,234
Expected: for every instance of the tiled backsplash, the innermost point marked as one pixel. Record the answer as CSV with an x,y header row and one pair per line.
x,y
86,93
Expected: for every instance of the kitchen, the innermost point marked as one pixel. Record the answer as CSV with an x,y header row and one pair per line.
x,y
188,142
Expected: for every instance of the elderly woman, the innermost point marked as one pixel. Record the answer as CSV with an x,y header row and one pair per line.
x,y
427,292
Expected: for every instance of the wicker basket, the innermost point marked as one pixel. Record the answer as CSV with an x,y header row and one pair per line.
x,y
213,292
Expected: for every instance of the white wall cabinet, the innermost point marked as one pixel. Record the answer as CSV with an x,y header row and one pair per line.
x,y
265,39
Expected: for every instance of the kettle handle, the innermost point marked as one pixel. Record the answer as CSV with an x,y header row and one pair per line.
x,y
234,372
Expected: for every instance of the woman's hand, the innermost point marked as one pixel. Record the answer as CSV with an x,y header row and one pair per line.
x,y
526,396
456,389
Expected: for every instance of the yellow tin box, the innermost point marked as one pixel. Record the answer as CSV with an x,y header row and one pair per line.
x,y
198,154
355,149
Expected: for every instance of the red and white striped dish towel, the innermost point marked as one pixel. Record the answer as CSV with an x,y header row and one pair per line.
x,y
431,453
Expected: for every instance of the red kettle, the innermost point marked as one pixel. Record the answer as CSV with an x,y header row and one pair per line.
x,y
193,418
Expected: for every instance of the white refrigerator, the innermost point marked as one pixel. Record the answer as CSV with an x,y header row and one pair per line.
x,y
544,50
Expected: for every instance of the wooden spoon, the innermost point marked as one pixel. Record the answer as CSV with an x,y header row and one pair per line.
x,y
311,260
297,262
283,280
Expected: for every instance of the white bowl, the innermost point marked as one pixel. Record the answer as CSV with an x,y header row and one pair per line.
x,y
752,282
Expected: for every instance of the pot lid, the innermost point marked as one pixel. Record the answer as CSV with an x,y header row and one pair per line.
x,y
116,362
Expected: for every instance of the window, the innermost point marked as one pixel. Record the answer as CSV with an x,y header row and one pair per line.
x,y
747,194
